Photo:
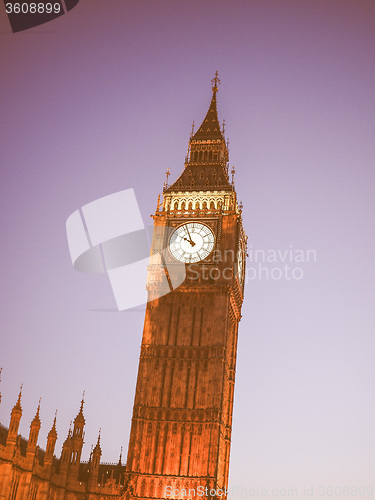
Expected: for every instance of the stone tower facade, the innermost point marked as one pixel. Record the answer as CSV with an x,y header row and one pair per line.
x,y
182,418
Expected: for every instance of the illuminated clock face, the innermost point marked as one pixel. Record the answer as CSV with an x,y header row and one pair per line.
x,y
191,242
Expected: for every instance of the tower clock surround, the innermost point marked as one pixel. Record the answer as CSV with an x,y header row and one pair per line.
x,y
191,242
182,417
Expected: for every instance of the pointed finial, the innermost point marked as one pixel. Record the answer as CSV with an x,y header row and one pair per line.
x,y
119,460
38,409
53,432
82,402
223,127
18,404
192,130
167,173
233,171
241,206
36,419
215,81
97,446
158,203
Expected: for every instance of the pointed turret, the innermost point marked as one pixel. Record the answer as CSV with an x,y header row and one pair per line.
x,y
34,432
66,452
77,439
51,442
95,461
210,128
15,420
79,421
120,458
206,163
97,452
0,381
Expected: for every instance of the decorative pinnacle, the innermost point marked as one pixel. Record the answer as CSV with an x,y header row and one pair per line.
x,y
223,127
233,171
166,185
192,129
53,432
36,419
158,203
38,409
97,446
18,404
215,81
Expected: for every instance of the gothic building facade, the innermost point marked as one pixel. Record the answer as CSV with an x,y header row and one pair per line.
x,y
30,473
182,417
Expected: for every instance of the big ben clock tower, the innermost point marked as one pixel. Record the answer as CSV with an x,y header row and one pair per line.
x,y
182,418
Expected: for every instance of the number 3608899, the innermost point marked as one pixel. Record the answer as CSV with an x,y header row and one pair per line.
x,y
32,8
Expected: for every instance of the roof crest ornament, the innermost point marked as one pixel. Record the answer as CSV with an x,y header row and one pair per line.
x,y
215,82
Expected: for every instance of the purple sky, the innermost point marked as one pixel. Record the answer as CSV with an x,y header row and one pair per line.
x,y
102,99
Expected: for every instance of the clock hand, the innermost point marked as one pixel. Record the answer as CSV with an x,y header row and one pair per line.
x,y
191,241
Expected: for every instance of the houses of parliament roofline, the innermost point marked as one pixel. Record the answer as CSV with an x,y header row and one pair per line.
x,y
29,472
